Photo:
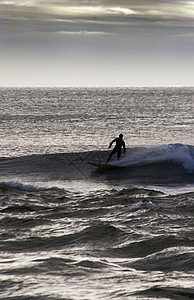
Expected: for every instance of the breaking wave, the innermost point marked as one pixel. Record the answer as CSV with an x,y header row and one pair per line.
x,y
175,153
159,165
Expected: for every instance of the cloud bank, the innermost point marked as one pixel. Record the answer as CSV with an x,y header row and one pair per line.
x,y
97,42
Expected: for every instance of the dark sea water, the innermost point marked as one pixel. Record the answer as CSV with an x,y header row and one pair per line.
x,y
74,232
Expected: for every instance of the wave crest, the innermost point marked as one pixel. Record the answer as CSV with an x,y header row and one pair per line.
x,y
18,185
176,153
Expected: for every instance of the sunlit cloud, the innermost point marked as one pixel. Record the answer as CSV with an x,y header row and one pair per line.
x,y
83,10
94,10
145,8
83,33
122,10
19,3
7,2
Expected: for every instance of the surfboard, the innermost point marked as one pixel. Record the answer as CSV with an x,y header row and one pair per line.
x,y
103,166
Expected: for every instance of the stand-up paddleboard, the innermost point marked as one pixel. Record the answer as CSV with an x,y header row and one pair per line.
x,y
112,166
103,166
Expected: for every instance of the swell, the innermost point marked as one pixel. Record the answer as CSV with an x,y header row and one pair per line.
x,y
97,236
151,245
169,260
167,163
112,240
169,292
63,166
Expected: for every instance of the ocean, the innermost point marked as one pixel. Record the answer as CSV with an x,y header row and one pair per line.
x,y
71,231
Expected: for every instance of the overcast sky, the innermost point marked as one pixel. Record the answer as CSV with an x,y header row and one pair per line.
x,y
96,43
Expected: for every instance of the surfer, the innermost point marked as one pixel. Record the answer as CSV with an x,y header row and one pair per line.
x,y
119,144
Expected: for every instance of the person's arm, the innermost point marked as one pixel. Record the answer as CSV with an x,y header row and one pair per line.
x,y
124,149
111,143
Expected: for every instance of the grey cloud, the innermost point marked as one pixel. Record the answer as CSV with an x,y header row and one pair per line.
x,y
148,14
140,7
119,3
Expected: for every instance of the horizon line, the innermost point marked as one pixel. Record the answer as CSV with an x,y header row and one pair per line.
x,y
98,86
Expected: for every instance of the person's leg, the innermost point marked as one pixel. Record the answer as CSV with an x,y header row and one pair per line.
x,y
111,154
118,153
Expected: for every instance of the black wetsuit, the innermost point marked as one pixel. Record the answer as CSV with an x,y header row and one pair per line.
x,y
119,144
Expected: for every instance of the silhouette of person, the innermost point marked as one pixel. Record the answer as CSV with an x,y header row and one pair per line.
x,y
117,149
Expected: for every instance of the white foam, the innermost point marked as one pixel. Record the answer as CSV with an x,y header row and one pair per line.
x,y
142,205
176,153
21,186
